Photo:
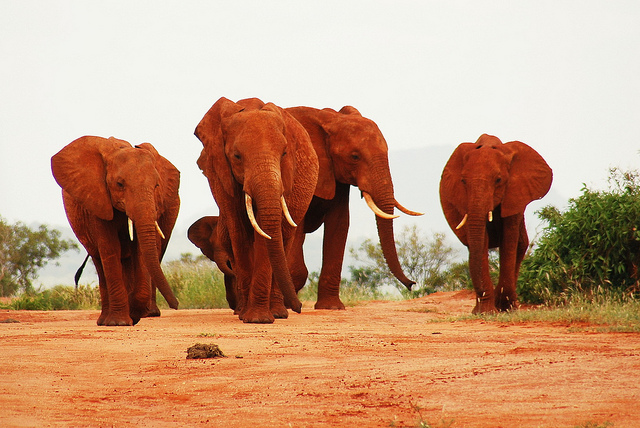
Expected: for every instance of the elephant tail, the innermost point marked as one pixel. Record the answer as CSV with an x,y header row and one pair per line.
x,y
79,271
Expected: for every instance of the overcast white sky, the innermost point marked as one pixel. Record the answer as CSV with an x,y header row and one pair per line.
x,y
561,76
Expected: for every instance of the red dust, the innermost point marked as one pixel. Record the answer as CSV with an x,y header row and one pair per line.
x,y
378,364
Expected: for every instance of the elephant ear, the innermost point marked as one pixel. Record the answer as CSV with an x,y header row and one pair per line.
x,y
453,195
80,169
169,174
200,234
529,178
213,161
311,120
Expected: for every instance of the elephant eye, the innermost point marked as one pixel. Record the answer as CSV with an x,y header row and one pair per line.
x,y
120,184
498,180
284,153
355,156
237,156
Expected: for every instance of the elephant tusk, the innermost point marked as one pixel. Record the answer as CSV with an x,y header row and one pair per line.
x,y
252,217
130,222
462,223
490,216
406,211
375,209
160,230
286,212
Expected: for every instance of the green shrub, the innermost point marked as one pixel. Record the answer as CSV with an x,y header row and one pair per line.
x,y
595,243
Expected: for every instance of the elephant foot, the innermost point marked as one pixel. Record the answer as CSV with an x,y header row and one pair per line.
x,y
154,311
258,316
506,301
333,303
111,320
484,306
279,311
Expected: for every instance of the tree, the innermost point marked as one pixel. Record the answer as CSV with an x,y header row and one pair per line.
x,y
595,243
23,251
428,261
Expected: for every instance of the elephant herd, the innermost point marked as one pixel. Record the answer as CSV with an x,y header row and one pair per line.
x,y
277,174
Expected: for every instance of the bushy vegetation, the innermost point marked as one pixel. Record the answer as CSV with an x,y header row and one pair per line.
x,y
60,297
594,244
196,282
24,251
429,261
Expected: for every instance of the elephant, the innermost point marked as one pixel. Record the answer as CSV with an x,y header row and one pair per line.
x,y
484,190
351,152
262,171
210,234
109,190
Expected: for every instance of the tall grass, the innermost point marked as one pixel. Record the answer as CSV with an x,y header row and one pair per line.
x,y
60,297
198,284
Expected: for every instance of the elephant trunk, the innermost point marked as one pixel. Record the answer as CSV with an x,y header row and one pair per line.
x,y
480,212
268,202
147,234
384,198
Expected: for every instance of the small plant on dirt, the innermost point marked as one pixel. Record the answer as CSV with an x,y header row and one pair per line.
x,y
422,423
594,425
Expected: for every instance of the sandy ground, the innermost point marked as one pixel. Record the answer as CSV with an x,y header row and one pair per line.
x,y
379,364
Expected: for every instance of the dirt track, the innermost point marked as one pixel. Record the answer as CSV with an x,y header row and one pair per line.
x,y
370,365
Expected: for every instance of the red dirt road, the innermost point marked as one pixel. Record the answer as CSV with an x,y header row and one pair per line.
x,y
370,365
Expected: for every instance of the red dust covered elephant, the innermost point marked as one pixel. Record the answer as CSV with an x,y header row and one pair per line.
x,y
122,203
262,170
484,190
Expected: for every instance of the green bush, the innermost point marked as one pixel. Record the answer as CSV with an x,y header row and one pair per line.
x,y
428,260
595,243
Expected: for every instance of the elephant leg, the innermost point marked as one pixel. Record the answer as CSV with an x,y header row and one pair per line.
x,y
336,228
258,308
118,296
154,310
511,253
276,302
297,266
139,286
104,294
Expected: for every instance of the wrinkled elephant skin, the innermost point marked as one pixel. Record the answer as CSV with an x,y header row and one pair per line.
x,y
122,203
484,190
351,152
262,170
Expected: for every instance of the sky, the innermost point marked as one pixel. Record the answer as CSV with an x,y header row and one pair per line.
x,y
561,76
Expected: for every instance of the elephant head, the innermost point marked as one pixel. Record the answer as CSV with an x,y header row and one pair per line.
x,y
257,159
211,236
107,176
352,150
483,185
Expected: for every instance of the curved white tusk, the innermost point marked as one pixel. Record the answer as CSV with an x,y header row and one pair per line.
x,y
160,230
462,223
252,217
375,209
286,212
130,228
406,211
490,216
